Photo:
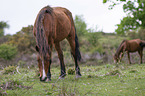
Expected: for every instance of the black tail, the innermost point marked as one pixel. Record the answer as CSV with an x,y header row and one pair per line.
x,y
77,51
142,44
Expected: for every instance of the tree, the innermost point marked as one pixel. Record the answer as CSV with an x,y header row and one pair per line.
x,y
81,26
5,38
7,52
3,25
135,11
24,39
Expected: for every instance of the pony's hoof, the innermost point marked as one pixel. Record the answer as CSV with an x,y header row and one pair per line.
x,y
43,79
78,76
47,80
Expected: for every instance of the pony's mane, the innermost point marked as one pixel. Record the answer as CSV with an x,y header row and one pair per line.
x,y
118,49
41,40
48,9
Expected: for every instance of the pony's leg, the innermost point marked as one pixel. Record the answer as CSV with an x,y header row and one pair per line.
x,y
60,56
49,73
122,54
129,57
39,65
77,68
140,54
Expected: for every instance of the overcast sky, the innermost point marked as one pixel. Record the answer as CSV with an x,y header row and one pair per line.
x,y
21,13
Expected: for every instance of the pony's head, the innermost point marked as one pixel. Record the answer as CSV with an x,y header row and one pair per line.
x,y
45,65
116,58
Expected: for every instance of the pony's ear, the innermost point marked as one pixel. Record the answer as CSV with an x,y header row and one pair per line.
x,y
37,49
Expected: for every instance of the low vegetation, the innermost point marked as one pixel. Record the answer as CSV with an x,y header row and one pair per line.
x,y
101,80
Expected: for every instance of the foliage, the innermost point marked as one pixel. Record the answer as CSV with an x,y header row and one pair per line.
x,y
93,38
24,39
71,71
126,24
4,39
135,11
7,52
9,69
81,26
111,41
96,49
3,25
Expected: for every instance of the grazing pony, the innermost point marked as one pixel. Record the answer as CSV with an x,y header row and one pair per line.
x,y
52,25
129,46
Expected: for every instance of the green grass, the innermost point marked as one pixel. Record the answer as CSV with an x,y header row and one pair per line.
x,y
104,80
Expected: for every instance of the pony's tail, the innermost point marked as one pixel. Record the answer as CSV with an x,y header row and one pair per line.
x,y
77,51
142,44
42,42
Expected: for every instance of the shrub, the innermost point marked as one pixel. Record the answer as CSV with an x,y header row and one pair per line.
x,y
9,69
71,71
7,52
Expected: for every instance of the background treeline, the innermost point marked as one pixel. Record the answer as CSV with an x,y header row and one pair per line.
x,y
96,46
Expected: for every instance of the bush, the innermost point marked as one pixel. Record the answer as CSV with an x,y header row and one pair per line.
x,y
7,52
71,71
9,69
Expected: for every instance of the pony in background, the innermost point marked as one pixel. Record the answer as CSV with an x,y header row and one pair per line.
x,y
129,46
52,25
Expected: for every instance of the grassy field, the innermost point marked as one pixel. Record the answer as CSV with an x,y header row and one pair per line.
x,y
103,80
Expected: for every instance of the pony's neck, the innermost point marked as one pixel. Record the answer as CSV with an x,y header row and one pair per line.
x,y
119,50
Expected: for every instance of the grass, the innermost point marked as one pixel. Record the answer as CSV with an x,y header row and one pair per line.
x,y
104,80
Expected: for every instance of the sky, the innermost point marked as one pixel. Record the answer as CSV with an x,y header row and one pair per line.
x,y
21,13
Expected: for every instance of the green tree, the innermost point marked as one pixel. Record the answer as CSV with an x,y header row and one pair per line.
x,y
5,38
81,26
93,38
24,39
7,52
3,25
135,11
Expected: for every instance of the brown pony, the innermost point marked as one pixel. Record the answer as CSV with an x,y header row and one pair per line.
x,y
52,25
129,46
